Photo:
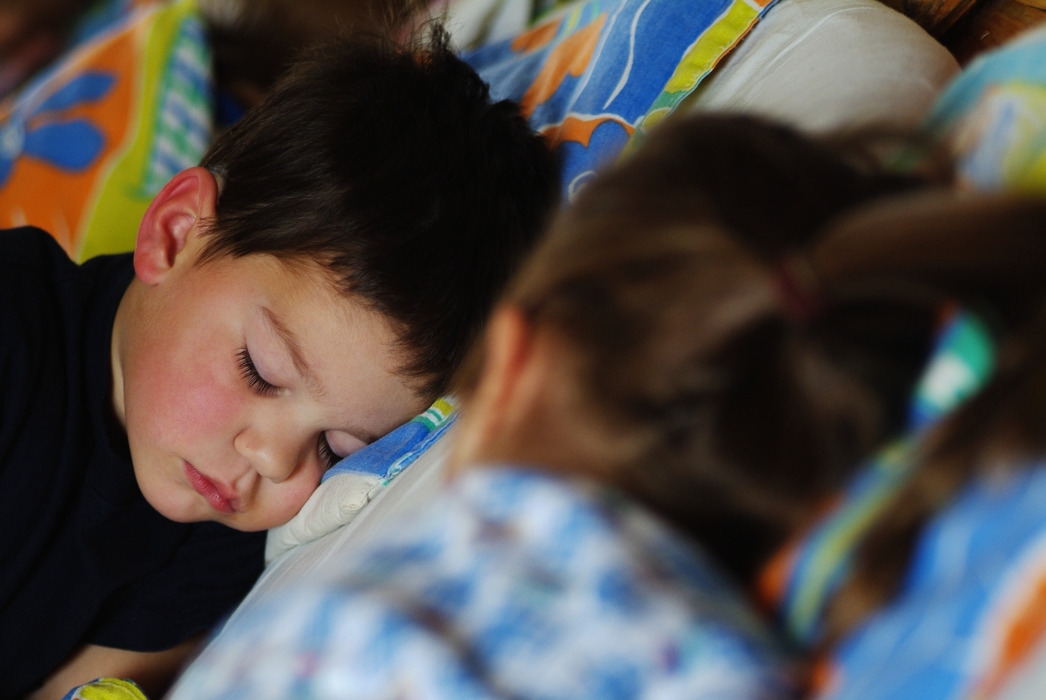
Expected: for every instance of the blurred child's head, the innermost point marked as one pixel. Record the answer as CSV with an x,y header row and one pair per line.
x,y
727,323
254,42
317,281
32,34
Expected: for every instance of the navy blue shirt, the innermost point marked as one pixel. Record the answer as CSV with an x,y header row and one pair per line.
x,y
84,558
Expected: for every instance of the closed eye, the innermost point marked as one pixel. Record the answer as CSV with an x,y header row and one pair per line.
x,y
250,374
327,456
336,445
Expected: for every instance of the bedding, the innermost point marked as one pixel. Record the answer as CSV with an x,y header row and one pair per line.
x,y
824,65
596,76
970,611
613,53
993,117
354,481
816,64
87,144
473,23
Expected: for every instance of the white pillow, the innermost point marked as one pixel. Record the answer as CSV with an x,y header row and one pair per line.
x,y
830,64
816,64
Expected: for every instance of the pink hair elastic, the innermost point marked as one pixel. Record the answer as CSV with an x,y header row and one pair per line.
x,y
799,288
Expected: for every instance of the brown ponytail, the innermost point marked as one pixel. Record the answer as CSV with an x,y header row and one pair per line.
x,y
1003,426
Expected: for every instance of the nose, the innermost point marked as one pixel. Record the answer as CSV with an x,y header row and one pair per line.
x,y
272,455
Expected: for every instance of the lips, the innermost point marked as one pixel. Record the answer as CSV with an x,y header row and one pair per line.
x,y
220,497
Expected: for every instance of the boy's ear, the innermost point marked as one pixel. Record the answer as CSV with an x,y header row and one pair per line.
x,y
170,230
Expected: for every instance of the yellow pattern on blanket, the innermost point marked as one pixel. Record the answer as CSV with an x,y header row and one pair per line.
x,y
107,689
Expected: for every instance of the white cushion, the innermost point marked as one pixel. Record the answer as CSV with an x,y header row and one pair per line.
x,y
830,64
817,64
472,23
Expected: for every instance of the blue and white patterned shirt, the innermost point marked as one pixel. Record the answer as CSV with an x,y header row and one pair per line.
x,y
514,584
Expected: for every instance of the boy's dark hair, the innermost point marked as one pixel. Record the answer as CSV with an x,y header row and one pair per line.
x,y
390,166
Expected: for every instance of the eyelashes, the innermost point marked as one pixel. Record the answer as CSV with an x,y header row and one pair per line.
x,y
258,384
327,455
251,376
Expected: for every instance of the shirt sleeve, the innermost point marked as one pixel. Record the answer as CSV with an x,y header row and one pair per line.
x,y
209,574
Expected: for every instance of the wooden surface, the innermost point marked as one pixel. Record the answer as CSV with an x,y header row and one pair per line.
x,y
989,24
935,16
968,27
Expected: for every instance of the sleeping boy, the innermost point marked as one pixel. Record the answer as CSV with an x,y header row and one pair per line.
x,y
314,284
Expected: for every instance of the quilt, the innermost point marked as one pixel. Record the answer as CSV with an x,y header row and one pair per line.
x,y
595,77
88,143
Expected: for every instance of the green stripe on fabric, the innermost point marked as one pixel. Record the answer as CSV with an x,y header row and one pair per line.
x,y
697,62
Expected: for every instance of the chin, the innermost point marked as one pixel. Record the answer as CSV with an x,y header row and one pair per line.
x,y
245,527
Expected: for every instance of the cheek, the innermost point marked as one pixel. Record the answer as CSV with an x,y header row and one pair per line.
x,y
281,502
178,401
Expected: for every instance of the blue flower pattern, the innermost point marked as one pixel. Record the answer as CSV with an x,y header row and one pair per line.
x,y
39,131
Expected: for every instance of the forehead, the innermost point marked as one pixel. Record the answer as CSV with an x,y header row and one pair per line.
x,y
302,299
306,287
340,345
